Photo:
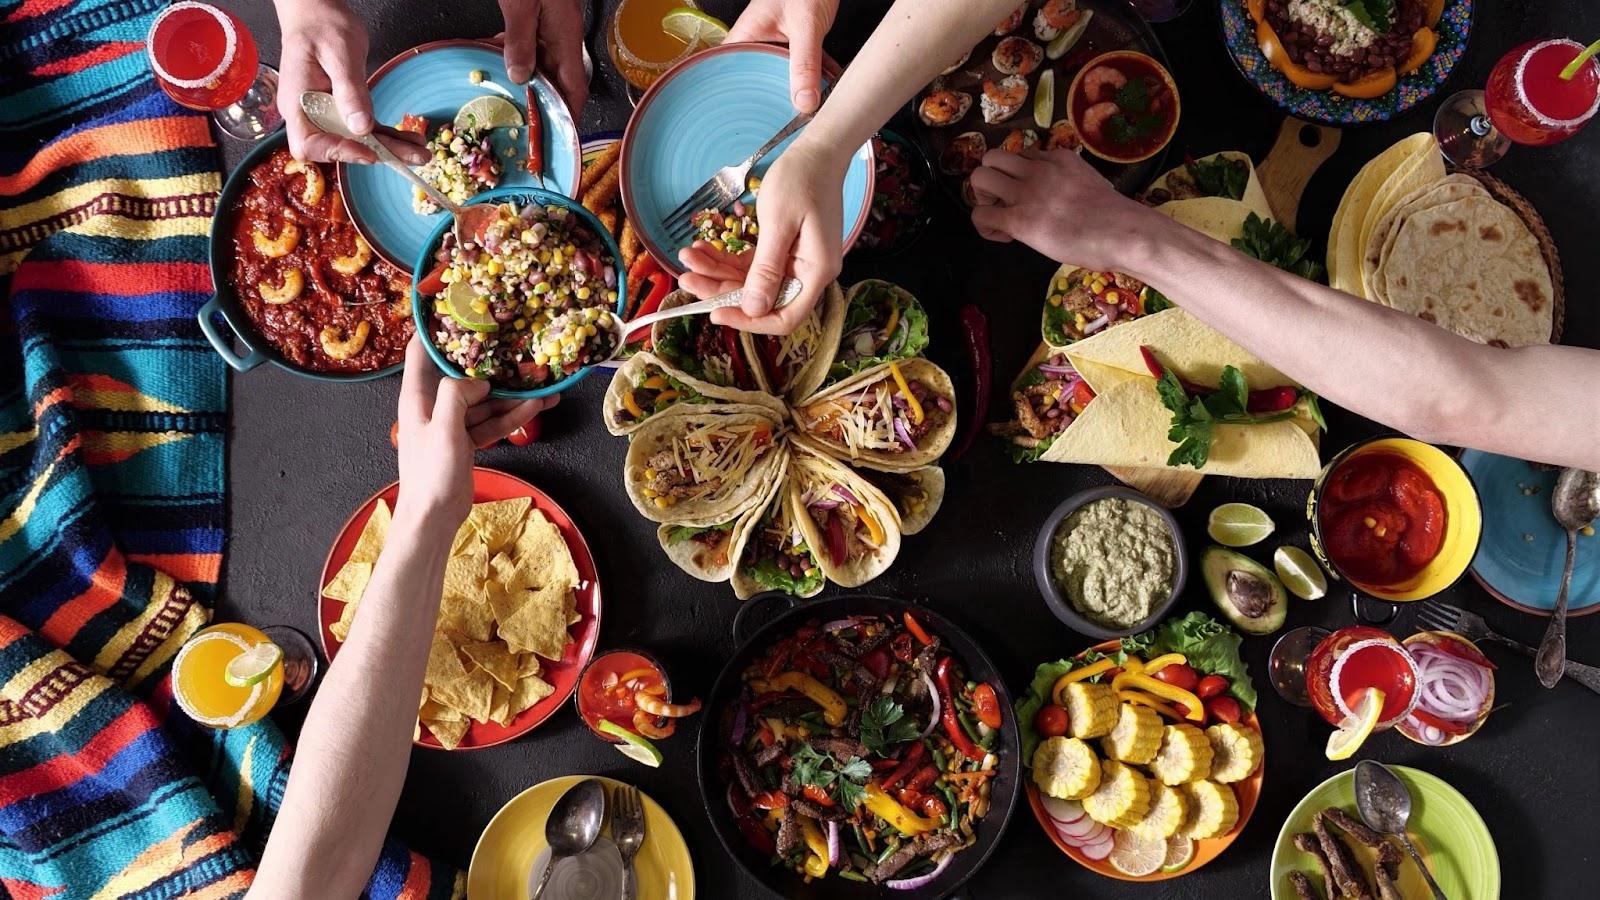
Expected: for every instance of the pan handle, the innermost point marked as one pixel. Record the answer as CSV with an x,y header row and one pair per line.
x,y
747,621
223,344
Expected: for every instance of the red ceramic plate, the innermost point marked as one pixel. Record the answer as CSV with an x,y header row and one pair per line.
x,y
488,484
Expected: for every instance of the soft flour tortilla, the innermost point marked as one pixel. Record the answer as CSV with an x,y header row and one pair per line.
x,y
669,341
1473,267
1181,342
1420,170
1446,190
915,496
1344,269
806,354
726,399
929,448
740,489
716,562
786,511
815,475
1219,218
1254,199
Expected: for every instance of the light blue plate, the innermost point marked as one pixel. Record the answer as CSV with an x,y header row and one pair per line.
x,y
1520,572
713,110
432,81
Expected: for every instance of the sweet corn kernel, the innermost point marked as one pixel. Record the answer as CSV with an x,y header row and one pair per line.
x,y
540,359
583,293
520,324
590,331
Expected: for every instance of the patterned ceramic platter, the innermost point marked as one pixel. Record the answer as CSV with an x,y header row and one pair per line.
x,y
1523,549
1239,33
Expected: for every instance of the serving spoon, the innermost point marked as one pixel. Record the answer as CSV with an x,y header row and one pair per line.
x,y
573,825
1385,805
787,291
1575,503
320,108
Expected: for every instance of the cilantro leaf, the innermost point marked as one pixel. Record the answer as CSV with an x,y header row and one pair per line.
x,y
883,724
1374,14
808,767
1133,96
1220,177
1194,419
849,794
1234,388
1171,392
856,769
1155,301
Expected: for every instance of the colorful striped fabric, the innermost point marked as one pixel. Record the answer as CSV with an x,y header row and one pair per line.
x,y
112,474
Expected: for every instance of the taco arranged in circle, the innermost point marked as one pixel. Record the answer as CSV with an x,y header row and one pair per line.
x,y
793,365
883,323
710,552
776,554
896,417
850,524
916,495
645,387
700,348
702,468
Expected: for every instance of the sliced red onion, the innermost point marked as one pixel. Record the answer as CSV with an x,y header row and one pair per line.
x,y
845,495
1055,371
833,843
903,434
1110,310
938,707
1096,325
911,884
1448,686
741,724
839,625
824,504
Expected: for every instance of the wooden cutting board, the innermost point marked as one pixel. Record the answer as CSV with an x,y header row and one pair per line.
x,y
1300,149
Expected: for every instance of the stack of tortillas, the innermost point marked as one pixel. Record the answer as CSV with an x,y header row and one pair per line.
x,y
1459,250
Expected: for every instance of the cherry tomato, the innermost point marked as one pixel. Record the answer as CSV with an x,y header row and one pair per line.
x,y
1224,709
817,795
1211,686
770,800
527,434
1051,720
394,434
1182,709
1180,675
986,705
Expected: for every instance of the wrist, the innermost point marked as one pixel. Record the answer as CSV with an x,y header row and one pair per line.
x,y
431,522
830,149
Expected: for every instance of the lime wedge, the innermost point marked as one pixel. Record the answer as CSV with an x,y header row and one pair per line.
x,y
252,667
1238,525
633,746
1180,852
1044,99
1064,41
488,111
693,27
1353,732
461,298
1299,573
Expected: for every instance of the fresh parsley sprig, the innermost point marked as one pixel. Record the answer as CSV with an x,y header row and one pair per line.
x,y
1220,177
847,779
1195,418
1270,242
1133,119
1377,15
883,724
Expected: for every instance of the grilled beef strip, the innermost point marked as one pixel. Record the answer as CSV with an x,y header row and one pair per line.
x,y
1347,871
1387,872
817,811
746,775
1308,843
841,747
920,846
768,755
1302,887
788,831
1352,826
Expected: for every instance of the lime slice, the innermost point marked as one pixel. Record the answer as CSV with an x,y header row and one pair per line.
x,y
1299,573
693,27
252,667
462,298
1135,855
1353,732
1044,99
633,746
1238,525
488,111
1180,852
1064,41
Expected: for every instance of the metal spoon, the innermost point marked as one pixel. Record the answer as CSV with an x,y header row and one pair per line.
x,y
573,825
1385,805
469,220
1575,503
787,291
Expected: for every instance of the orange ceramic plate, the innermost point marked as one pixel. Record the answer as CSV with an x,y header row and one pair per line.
x,y
488,484
1247,792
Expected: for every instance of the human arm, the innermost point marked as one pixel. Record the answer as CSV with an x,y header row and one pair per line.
x,y
355,744
799,204
1532,402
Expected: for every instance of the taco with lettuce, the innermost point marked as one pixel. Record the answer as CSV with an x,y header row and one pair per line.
x,y
776,554
701,468
850,524
645,387
883,323
794,365
915,495
710,552
897,417
700,348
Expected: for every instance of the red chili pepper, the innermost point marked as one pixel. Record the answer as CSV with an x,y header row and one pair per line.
x,y
535,135
976,326
1444,725
916,629
1271,400
947,716
912,759
816,795
759,837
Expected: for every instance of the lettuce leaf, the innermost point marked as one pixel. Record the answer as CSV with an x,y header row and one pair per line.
x,y
1210,646
1038,694
767,574
871,309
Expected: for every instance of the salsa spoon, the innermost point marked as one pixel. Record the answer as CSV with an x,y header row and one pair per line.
x,y
787,291
1575,502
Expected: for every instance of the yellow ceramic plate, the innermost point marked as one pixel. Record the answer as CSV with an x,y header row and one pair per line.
x,y
505,853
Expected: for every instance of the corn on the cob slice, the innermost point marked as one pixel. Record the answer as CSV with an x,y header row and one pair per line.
x,y
1066,768
1236,752
1137,735
1213,810
1185,755
1122,798
1168,807
1091,709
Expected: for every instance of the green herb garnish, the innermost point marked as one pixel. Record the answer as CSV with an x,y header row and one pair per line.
x,y
1270,242
883,724
1220,177
1376,15
1194,419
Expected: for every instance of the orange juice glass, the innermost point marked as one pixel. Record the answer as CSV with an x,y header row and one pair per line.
x,y
202,691
639,47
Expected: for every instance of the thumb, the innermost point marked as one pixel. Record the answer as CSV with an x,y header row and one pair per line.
x,y
345,72
771,261
521,37
993,223
805,67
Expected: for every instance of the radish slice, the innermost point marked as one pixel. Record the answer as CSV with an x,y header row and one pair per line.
x,y
1100,833
1080,828
1068,839
1100,851
1063,810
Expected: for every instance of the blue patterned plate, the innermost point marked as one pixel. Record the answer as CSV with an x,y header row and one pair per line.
x,y
709,111
1523,550
432,81
1239,33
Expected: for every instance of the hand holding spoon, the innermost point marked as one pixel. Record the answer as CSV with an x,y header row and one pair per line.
x,y
1385,805
573,825
787,291
1575,503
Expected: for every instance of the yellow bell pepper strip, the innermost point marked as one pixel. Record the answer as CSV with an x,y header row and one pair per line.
x,y
1133,664
1195,710
817,859
654,383
889,809
888,329
833,706
668,396
1161,662
874,531
631,405
1147,700
911,399
1089,671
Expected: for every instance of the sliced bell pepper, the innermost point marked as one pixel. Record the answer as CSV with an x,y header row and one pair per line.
x,y
770,800
817,795
1257,9
1422,47
888,329
889,809
833,706
1161,662
1454,729
1273,51
631,405
906,766
911,399
1195,710
1369,86
874,530
1147,700
916,629
1086,672
835,540
817,859
947,714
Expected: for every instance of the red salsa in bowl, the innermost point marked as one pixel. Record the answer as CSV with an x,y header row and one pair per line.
x,y
1124,106
1383,519
629,690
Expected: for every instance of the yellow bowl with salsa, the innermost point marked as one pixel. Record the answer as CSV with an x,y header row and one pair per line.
x,y
1397,518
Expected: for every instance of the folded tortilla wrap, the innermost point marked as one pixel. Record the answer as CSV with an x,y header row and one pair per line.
x,y
655,387
701,468
883,322
1181,185
710,552
856,420
794,365
850,524
776,554
916,495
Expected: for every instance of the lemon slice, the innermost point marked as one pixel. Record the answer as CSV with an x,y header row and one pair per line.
x,y
488,111
252,667
1299,573
1180,852
1044,99
633,746
1135,855
693,27
1238,525
1353,732
461,298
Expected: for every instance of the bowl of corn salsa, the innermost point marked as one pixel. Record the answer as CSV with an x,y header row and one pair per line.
x,y
526,305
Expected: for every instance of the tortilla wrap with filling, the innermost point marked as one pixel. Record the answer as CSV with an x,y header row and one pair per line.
x,y
1451,187
710,553
1255,197
678,390
794,365
850,524
777,526
711,469
701,348
883,322
1219,218
856,419
914,496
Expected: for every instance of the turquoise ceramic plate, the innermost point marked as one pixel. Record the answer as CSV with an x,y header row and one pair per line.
x,y
713,110
432,81
1523,549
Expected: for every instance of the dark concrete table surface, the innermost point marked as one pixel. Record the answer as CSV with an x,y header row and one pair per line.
x,y
304,454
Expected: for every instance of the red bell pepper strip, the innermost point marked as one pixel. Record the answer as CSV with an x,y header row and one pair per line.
x,y
639,274
947,715
1463,650
1444,725
770,800
1265,400
925,776
741,372
759,837
835,540
916,629
535,136
976,326
816,795
907,765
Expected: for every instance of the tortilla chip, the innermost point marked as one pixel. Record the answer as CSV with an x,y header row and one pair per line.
x,y
373,533
347,617
470,617
499,521
528,692
349,583
528,664
447,732
465,572
496,659
444,664
464,535
542,556
500,706
472,696
433,710
540,624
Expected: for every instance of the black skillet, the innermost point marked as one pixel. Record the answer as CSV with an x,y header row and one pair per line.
x,y
761,622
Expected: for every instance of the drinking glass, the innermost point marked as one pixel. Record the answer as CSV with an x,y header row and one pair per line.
x,y
203,691
206,59
1539,93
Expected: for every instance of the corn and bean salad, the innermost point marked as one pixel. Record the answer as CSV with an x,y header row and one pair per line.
x,y
733,231
529,302
463,166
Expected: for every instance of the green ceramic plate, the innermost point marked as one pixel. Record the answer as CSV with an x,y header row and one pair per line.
x,y
1447,830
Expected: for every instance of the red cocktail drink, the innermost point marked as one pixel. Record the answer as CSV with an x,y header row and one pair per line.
x,y
1350,661
204,57
1529,101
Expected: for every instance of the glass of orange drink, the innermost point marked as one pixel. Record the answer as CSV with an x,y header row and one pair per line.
x,y
231,675
642,47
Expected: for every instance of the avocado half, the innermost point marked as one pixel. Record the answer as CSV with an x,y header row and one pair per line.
x,y
1247,592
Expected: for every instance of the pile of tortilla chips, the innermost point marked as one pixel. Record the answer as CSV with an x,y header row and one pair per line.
x,y
508,599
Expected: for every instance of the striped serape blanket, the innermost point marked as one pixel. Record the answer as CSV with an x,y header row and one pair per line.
x,y
112,474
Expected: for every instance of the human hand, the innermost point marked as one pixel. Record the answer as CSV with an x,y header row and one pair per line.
x,y
799,23
325,49
547,34
799,214
441,421
1056,203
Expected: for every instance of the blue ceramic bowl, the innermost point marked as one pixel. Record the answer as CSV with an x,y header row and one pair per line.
x,y
422,306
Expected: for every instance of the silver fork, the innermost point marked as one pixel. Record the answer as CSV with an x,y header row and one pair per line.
x,y
1445,617
627,832
724,187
